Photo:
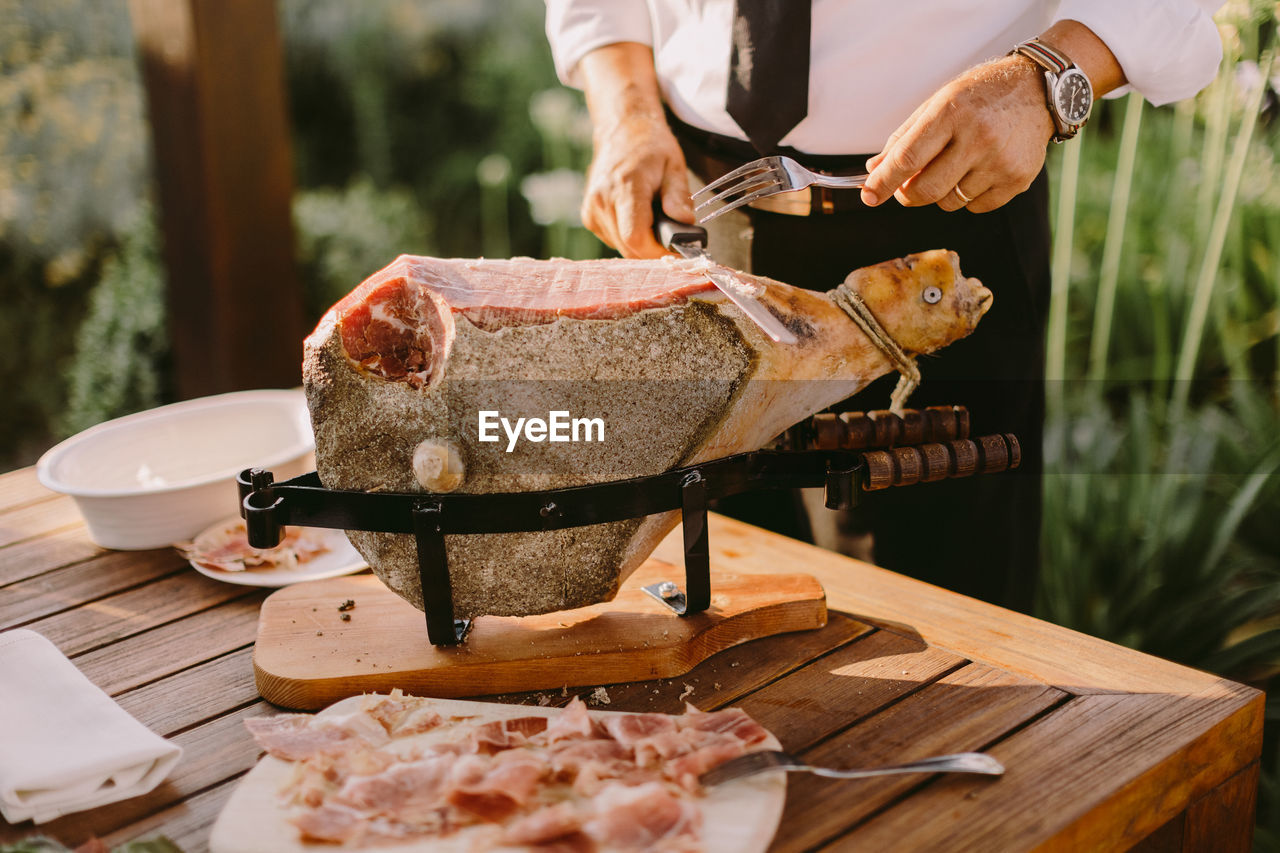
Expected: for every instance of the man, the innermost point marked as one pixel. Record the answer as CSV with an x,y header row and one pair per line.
x,y
961,120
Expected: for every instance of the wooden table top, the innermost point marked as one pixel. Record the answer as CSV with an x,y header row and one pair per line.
x,y
1106,748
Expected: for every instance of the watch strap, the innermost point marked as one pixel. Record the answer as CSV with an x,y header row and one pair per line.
x,y
1045,56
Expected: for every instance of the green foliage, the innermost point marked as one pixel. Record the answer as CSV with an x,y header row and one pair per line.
x,y
1143,548
346,235
416,95
122,346
1163,465
73,173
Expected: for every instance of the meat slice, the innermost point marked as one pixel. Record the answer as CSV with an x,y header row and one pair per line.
x,y
568,758
686,769
493,790
573,721
294,737
545,824
627,729
330,822
403,786
398,372
730,721
641,817
498,735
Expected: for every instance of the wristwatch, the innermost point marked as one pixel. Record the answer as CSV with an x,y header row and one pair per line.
x,y
1067,89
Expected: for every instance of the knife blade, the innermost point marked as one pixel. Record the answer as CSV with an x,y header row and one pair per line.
x,y
690,241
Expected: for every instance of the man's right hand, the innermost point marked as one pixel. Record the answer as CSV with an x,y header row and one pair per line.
x,y
636,157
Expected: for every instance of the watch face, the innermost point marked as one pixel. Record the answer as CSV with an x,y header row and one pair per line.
x,y
1073,96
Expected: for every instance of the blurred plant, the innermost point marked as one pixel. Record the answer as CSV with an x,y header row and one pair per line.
x,y
1162,448
1154,560
416,95
346,235
493,173
73,177
122,347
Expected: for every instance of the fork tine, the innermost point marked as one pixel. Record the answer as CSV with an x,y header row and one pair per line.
x,y
748,185
746,199
765,164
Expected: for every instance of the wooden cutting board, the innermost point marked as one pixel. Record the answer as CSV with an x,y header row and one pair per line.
x,y
308,657
737,817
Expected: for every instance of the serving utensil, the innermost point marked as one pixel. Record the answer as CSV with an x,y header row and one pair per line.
x,y
772,759
764,177
690,241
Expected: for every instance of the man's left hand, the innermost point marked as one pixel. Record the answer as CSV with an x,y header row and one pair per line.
x,y
985,132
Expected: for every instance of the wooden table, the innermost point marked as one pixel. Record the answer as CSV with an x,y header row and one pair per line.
x,y
1106,748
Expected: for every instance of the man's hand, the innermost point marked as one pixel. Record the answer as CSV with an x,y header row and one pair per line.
x,y
635,160
635,156
985,132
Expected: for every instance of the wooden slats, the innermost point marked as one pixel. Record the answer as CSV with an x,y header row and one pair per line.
x,y
961,712
173,647
118,616
206,690
73,586
20,488
723,679
186,824
1105,753
982,632
842,687
44,553
37,519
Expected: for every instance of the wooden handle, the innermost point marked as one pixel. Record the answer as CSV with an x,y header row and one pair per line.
x,y
928,463
861,430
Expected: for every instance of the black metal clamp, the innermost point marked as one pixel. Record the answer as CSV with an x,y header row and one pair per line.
x,y
268,507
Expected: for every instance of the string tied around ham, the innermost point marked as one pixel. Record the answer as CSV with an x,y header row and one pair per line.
x,y
909,374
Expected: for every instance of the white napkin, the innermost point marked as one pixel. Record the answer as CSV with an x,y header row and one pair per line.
x,y
65,746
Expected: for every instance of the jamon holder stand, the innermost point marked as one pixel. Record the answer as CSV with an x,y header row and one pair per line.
x,y
846,454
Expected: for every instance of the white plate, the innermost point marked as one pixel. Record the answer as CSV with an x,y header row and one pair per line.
x,y
341,559
740,816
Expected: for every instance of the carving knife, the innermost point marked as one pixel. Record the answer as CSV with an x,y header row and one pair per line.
x,y
690,241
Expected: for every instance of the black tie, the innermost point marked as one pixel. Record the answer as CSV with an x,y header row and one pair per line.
x,y
769,69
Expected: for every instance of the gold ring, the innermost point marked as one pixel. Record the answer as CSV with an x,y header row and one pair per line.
x,y
960,195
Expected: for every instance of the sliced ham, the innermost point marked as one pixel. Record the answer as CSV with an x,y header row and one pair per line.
x,y
573,782
731,721
505,734
546,824
297,736
630,728
330,822
407,785
573,721
492,790
643,817
569,757
686,769
226,548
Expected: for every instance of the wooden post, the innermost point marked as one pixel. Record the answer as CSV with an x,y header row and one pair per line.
x,y
215,91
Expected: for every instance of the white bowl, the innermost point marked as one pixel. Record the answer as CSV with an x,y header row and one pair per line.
x,y
161,476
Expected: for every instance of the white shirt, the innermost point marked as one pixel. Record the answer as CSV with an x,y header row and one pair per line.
x,y
872,63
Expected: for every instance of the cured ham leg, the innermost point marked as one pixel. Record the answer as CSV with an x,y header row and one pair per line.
x,y
655,364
